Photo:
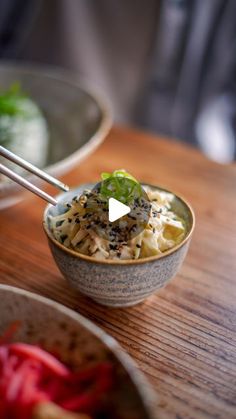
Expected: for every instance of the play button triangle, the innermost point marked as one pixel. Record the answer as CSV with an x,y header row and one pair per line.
x,y
116,209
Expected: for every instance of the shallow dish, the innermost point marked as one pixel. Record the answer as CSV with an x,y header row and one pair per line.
x,y
78,342
118,283
78,118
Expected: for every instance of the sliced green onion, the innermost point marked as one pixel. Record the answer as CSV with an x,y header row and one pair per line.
x,y
113,185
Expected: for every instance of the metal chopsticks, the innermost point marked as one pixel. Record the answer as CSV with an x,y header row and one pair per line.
x,y
31,168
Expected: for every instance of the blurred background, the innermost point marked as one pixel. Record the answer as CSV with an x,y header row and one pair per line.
x,y
166,66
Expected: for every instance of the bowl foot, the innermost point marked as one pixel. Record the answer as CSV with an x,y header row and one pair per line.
x,y
118,304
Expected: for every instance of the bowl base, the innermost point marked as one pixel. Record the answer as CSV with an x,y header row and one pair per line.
x,y
118,304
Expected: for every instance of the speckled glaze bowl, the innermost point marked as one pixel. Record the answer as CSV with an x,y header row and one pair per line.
x,y
118,283
78,342
78,119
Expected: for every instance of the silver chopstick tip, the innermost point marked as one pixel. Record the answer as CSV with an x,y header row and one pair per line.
x,y
66,188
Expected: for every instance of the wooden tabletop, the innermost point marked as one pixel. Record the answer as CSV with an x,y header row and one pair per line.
x,y
184,337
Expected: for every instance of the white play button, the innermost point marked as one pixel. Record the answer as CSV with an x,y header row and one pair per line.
x,y
117,209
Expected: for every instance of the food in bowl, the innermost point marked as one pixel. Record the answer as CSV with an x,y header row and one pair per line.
x,y
85,218
63,340
35,384
23,128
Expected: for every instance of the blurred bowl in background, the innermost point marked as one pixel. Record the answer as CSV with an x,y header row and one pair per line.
x,y
78,119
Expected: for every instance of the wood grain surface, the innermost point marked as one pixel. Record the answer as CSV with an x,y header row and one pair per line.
x,y
184,337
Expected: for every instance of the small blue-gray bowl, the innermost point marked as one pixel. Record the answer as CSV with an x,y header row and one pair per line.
x,y
118,283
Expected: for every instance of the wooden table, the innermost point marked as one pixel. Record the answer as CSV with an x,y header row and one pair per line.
x,y
184,337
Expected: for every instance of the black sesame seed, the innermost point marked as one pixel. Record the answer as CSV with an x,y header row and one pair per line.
x,y
132,217
112,246
59,223
133,228
63,237
116,229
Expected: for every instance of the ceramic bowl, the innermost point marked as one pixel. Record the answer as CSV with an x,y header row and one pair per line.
x,y
78,119
118,283
78,342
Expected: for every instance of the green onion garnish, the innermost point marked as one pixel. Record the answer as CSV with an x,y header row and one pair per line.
x,y
121,186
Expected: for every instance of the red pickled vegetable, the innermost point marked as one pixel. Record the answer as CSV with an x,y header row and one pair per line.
x,y
14,326
101,378
30,375
34,352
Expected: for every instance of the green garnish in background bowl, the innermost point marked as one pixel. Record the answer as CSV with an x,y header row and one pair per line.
x,y
23,128
16,102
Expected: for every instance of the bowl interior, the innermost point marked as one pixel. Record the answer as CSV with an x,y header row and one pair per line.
x,y
78,342
63,198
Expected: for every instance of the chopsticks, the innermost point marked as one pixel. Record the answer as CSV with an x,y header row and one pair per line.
x,y
31,168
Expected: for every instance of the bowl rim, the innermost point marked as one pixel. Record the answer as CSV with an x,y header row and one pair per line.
x,y
70,77
142,385
124,262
